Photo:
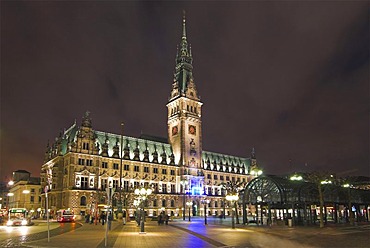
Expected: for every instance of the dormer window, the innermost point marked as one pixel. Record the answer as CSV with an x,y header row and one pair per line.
x,y
85,146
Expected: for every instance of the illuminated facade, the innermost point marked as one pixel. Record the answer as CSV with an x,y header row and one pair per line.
x,y
25,193
83,161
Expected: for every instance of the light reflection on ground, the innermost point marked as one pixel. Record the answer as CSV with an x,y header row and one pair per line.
x,y
22,230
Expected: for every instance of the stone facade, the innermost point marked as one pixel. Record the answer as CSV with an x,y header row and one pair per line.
x,y
83,162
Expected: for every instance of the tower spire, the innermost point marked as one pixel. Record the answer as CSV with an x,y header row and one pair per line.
x,y
183,75
183,25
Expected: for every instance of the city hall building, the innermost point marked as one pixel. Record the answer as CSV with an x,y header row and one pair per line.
x,y
84,161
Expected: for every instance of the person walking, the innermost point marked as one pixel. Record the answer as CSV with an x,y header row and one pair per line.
x,y
124,217
87,218
102,217
160,219
110,218
166,218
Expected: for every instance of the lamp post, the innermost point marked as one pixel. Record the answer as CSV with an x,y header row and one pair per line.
x,y
120,212
189,204
350,212
183,183
10,185
232,199
142,194
25,192
8,202
205,201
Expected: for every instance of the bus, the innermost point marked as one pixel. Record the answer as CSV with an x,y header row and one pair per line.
x,y
65,215
18,217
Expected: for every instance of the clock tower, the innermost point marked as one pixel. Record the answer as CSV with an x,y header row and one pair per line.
x,y
184,118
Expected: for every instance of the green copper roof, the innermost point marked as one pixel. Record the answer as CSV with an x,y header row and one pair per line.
x,y
148,148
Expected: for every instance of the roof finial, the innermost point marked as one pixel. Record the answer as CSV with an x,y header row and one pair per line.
x,y
183,25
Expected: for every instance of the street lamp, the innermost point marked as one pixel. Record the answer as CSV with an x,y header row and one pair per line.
x,y
183,182
120,212
296,177
205,201
189,204
25,192
232,199
350,212
142,194
256,172
8,202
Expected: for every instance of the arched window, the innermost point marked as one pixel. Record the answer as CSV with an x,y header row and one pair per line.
x,y
83,201
163,203
172,203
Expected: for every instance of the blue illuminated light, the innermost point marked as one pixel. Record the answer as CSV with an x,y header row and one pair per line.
x,y
197,191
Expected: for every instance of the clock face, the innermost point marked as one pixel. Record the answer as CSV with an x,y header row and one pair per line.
x,y
175,130
192,129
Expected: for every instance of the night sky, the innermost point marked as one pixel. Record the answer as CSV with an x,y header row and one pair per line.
x,y
290,79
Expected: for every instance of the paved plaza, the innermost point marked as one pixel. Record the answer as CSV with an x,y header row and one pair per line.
x,y
218,233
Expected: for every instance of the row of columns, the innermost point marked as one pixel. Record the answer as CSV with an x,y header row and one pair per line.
x,y
302,214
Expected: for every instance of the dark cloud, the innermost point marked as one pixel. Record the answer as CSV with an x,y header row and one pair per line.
x,y
288,78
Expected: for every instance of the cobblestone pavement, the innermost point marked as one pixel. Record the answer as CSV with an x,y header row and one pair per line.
x,y
184,234
19,240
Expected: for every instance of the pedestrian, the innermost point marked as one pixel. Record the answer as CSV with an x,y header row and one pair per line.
x,y
124,217
138,218
87,218
102,217
159,219
110,218
92,219
166,219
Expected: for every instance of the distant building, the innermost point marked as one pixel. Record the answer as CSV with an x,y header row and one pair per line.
x,y
25,192
3,195
83,162
19,175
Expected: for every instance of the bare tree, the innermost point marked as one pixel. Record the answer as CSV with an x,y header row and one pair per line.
x,y
320,179
233,188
